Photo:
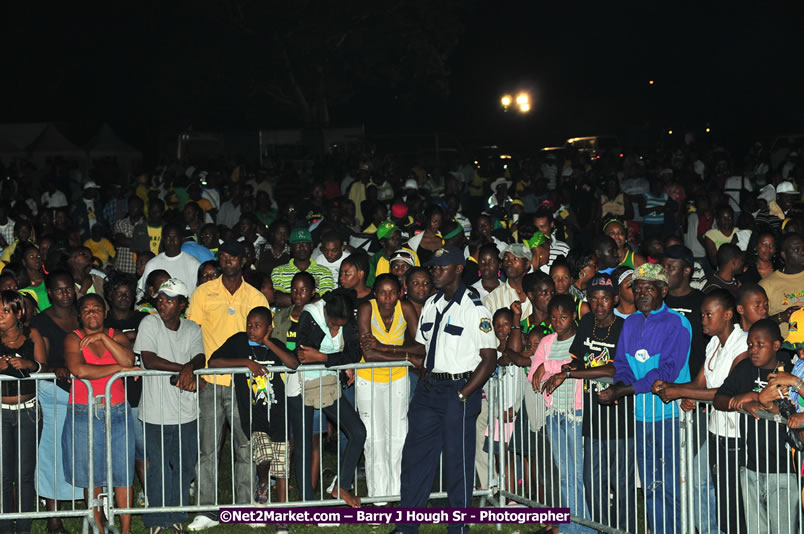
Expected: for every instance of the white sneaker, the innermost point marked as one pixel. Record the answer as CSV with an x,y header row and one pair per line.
x,y
331,487
201,522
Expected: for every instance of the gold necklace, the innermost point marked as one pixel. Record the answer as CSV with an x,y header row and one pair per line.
x,y
608,332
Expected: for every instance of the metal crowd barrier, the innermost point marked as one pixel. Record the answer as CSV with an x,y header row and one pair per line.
x,y
622,474
19,478
228,453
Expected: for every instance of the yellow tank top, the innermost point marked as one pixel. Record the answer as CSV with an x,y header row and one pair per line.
x,y
393,336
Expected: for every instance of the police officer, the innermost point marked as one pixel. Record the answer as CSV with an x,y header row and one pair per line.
x,y
460,355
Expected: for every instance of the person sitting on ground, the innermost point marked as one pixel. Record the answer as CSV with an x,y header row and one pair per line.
x,y
730,263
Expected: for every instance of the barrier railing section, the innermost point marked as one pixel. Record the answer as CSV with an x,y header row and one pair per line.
x,y
641,465
33,457
744,475
381,408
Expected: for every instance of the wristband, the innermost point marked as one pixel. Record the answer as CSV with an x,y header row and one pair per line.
x,y
568,372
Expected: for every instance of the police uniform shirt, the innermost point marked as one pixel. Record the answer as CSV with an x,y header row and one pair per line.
x,y
464,331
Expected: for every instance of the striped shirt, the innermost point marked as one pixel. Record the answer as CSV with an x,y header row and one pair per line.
x,y
557,248
282,276
654,201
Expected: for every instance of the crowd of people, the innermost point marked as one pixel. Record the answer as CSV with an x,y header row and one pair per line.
x,y
678,276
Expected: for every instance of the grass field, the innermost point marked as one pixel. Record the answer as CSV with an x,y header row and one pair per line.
x,y
329,462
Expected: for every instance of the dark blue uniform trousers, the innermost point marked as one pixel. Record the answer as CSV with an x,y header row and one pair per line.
x,y
438,421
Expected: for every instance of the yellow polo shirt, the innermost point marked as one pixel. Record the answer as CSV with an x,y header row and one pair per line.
x,y
221,315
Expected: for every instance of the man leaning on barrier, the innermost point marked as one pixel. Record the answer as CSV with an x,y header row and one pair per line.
x,y
654,345
457,333
166,342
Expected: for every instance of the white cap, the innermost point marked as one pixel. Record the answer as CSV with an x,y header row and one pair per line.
x,y
411,183
174,288
784,187
91,185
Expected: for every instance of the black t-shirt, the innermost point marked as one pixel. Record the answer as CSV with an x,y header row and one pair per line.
x,y
48,328
690,307
765,440
595,347
264,396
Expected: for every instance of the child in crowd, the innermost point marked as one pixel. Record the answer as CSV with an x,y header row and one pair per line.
x,y
752,305
730,261
263,395
564,404
511,382
488,263
608,434
540,290
155,279
768,464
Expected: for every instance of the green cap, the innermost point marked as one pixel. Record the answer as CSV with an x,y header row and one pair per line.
x,y
300,235
537,239
386,228
652,272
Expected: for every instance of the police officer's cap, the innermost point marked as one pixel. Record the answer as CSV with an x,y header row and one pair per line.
x,y
447,256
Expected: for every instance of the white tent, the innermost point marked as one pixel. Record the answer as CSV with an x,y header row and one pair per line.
x,y
107,144
22,134
51,143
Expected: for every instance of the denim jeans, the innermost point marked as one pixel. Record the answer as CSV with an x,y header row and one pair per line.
x,y
609,466
171,452
301,422
778,507
19,465
566,444
705,496
657,447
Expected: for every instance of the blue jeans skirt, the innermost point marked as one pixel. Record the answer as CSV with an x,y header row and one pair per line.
x,y
75,443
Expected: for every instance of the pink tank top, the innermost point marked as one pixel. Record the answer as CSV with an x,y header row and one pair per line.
x,y
79,393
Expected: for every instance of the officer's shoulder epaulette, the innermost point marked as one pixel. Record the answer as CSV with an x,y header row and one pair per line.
x,y
475,298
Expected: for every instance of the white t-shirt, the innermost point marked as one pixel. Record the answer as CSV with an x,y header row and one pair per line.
x,y
717,365
334,267
161,402
53,201
184,267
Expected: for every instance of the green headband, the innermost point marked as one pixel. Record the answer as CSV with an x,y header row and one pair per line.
x,y
458,229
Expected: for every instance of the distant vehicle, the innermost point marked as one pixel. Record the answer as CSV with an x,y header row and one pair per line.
x,y
596,147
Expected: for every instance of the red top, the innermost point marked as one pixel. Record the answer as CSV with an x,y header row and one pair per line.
x,y
78,394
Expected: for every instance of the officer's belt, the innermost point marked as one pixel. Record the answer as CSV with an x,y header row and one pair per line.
x,y
449,376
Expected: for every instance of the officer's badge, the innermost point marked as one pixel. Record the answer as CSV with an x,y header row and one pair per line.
x,y
485,325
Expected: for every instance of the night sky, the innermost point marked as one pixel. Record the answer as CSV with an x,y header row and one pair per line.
x,y
149,69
